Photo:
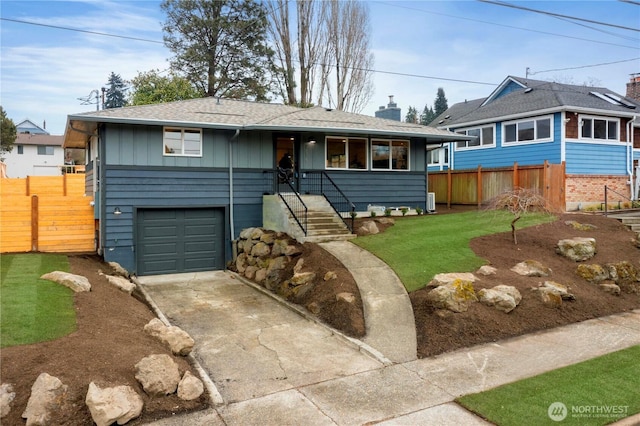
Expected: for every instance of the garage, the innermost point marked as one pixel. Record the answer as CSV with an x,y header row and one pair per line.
x,y
174,240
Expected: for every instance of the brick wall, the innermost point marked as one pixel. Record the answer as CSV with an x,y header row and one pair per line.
x,y
584,191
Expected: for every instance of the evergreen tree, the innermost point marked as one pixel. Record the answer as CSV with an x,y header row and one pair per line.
x,y
220,46
115,93
427,115
8,133
412,115
440,105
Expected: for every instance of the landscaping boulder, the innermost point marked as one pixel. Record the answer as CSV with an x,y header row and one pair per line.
x,y
345,297
580,226
48,394
330,275
552,293
118,404
174,337
610,288
577,249
368,227
158,374
77,283
190,387
626,275
118,269
592,273
531,268
443,279
486,270
504,298
7,395
455,296
122,283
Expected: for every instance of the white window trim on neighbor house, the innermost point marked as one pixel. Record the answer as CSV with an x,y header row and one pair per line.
x,y
587,127
438,156
482,141
536,137
182,146
349,157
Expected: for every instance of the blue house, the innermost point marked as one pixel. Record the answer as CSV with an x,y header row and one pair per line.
x,y
592,130
174,184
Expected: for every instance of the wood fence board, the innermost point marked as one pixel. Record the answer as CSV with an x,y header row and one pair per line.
x,y
66,223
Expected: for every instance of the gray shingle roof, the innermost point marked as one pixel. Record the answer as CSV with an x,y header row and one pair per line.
x,y
543,96
245,115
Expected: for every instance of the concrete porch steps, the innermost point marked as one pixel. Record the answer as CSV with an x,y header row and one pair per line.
x,y
323,223
630,219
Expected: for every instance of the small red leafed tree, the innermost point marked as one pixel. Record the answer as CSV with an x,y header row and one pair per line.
x,y
518,202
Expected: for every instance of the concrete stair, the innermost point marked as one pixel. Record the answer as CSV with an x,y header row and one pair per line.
x,y
631,219
323,223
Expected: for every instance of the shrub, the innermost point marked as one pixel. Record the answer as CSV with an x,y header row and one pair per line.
x,y
419,210
372,214
387,212
404,210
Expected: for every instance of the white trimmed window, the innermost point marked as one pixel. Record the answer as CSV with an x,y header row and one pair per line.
x,y
438,156
45,150
346,153
182,142
389,154
599,128
530,130
484,137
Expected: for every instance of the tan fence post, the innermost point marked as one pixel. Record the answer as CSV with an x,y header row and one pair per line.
x,y
34,223
516,176
449,189
479,186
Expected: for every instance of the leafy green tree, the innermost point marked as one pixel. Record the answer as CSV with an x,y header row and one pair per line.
x,y
8,134
152,88
220,46
412,115
115,93
440,105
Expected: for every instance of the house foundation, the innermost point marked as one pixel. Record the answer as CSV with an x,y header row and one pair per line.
x,y
587,191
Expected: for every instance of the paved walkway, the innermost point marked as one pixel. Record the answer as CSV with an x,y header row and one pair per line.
x,y
270,366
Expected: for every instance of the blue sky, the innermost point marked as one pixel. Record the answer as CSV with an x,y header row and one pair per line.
x,y
456,45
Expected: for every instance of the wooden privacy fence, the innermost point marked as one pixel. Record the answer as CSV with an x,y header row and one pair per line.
x,y
46,214
481,185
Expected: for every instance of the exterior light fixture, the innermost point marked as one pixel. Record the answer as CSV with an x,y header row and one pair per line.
x,y
117,211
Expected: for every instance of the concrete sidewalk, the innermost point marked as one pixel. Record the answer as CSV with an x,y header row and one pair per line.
x,y
271,366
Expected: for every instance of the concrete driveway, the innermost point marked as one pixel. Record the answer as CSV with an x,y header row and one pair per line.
x,y
248,343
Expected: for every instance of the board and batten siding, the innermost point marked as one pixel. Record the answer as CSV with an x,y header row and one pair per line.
x,y
141,145
592,158
502,155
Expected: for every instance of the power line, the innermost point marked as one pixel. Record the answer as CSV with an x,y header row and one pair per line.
x,y
507,26
637,3
81,31
586,66
499,3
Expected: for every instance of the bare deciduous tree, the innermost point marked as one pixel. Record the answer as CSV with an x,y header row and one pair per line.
x,y
307,39
326,47
518,202
349,56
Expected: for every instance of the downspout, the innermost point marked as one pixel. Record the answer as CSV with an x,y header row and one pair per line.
x,y
231,215
630,155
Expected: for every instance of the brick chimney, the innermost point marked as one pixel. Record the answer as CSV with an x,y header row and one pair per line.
x,y
633,87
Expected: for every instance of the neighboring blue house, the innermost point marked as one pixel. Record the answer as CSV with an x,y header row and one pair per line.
x,y
593,130
187,177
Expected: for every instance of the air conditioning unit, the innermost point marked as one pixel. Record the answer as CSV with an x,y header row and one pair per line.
x,y
431,202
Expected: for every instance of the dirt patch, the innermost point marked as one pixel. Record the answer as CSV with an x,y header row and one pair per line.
x,y
110,341
481,324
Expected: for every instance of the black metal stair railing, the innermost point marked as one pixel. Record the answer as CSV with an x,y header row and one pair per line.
x,y
290,198
319,183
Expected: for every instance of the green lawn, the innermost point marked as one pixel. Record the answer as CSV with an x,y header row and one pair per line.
x,y
419,247
594,392
33,310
